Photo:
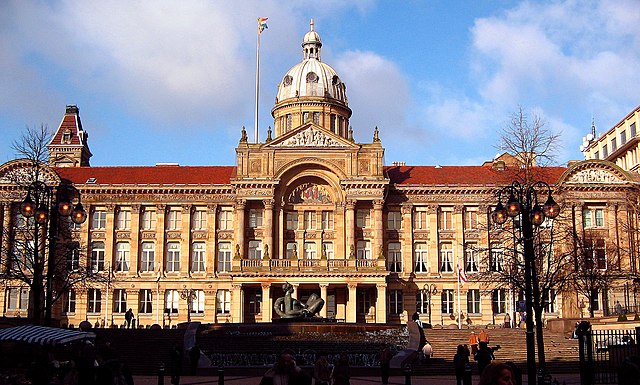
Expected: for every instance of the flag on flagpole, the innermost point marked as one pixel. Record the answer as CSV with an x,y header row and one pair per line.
x,y
262,24
462,277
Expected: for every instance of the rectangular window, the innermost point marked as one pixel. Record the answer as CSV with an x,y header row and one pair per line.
x,y
292,220
255,218
363,219
197,302
198,255
327,249
605,152
99,220
173,257
224,256
596,155
199,220
124,220
471,258
595,303
422,301
394,220
473,301
18,299
223,302
254,299
97,256
174,219
623,137
445,220
364,301
551,301
499,301
395,257
632,129
420,221
149,219
327,220
614,145
292,248
119,301
309,220
593,217
255,250
447,301
123,256
446,257
94,301
145,298
470,220
595,253
497,258
171,301
309,250
225,218
420,250
147,256
363,250
73,257
69,304
396,303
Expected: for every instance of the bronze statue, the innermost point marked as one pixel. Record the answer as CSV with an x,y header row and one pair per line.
x,y
289,307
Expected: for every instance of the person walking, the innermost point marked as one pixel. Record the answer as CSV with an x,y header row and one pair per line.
x,y
285,371
176,364
460,362
194,359
483,337
385,363
341,372
484,357
473,343
128,316
322,370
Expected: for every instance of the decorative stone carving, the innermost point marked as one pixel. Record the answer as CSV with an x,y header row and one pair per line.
x,y
309,193
98,235
363,166
123,235
148,235
595,176
225,234
310,137
174,235
199,235
255,166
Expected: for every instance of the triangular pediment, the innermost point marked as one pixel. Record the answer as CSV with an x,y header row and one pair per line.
x,y
595,172
310,135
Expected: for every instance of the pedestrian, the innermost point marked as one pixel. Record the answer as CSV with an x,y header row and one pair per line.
x,y
128,316
341,372
497,374
176,364
618,308
460,361
423,338
484,357
473,343
285,371
385,363
484,336
507,320
322,370
194,359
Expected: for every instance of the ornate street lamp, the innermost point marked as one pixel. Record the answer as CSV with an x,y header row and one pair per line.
x,y
46,204
190,295
523,201
428,290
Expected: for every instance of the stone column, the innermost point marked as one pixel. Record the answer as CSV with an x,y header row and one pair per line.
x,y
377,249
350,229
281,231
6,224
239,226
237,303
458,238
352,303
434,247
135,239
210,304
381,303
323,295
109,243
210,263
160,238
266,302
185,241
406,237
268,226
133,300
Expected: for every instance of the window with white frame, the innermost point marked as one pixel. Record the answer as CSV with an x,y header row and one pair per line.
x,y
254,300
73,258
309,220
119,301
123,256
396,302
224,256
94,301
327,220
199,219
145,299
223,302
69,302
123,222
499,301
473,301
147,256
394,257
496,262
97,256
471,218
363,219
292,220
198,256
363,250
171,301
292,250
255,250
593,217
394,220
327,250
149,219
18,298
422,302
174,219
421,254
173,257
447,301
471,258
364,301
420,219
225,218
310,250
197,302
99,219
255,218
445,219
446,257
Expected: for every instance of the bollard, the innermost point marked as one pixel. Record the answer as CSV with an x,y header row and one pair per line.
x,y
220,376
407,375
161,374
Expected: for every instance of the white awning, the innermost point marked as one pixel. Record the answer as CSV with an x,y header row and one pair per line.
x,y
43,335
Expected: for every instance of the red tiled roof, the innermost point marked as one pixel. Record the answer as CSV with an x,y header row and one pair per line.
x,y
158,175
72,123
463,175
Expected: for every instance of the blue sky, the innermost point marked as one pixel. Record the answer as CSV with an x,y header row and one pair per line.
x,y
173,81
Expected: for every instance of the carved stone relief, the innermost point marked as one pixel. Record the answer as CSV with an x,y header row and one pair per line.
x,y
595,176
310,137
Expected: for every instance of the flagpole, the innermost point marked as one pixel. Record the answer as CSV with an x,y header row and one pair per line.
x,y
257,84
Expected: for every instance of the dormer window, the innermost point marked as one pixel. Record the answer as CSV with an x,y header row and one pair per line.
x,y
66,137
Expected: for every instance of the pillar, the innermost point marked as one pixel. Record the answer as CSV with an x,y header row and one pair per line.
x,y
185,240
268,226
352,303
237,301
109,244
135,240
381,303
377,246
239,226
210,263
323,295
350,228
406,238
266,302
160,238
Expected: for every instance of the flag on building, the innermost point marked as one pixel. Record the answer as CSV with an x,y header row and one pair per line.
x,y
462,277
262,24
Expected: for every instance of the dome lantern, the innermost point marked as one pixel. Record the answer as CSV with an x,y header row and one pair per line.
x,y
311,44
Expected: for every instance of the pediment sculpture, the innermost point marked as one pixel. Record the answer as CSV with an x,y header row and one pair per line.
x,y
310,137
